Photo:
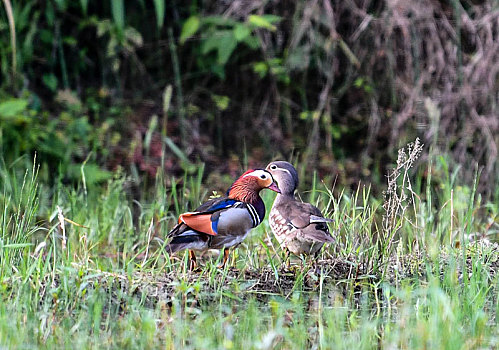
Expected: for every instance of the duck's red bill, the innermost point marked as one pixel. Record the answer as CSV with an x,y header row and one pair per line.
x,y
274,187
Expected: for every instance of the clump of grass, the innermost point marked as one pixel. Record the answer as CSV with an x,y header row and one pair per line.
x,y
113,285
19,205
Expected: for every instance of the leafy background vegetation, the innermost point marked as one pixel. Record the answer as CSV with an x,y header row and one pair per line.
x,y
116,116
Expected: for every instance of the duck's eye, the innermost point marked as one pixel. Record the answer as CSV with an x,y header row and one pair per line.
x,y
273,167
263,177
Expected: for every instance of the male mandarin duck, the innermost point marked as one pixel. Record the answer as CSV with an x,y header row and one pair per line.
x,y
223,222
299,227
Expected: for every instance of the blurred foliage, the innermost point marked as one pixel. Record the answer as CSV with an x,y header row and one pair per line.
x,y
60,143
223,35
336,86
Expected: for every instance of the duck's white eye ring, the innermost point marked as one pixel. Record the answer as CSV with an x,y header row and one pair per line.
x,y
273,167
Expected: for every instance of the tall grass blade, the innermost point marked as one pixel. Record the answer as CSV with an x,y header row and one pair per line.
x,y
118,12
12,29
159,6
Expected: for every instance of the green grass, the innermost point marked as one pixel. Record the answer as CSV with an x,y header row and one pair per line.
x,y
112,284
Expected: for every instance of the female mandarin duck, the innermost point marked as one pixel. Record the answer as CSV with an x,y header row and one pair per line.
x,y
223,222
299,227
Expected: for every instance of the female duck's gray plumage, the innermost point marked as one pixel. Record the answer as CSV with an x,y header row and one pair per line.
x,y
299,227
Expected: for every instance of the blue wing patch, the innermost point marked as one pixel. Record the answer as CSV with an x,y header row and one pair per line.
x,y
205,219
214,226
221,205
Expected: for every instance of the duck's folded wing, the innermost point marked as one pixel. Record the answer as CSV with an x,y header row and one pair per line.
x,y
205,218
228,215
301,215
200,222
316,233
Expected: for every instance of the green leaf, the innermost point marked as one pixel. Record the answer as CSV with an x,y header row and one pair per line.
x,y
260,68
252,42
189,28
264,21
305,115
223,41
50,81
103,27
241,32
70,40
133,37
218,70
222,102
50,14
46,36
61,4
16,245
358,82
219,21
84,6
272,18
210,44
185,162
335,132
226,45
52,144
11,108
159,5
92,172
118,11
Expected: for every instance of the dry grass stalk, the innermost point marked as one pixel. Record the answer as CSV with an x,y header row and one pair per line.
x,y
399,194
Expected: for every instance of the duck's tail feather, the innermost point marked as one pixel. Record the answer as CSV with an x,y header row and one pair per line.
x,y
187,240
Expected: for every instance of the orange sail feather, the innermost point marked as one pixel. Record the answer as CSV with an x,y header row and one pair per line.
x,y
199,222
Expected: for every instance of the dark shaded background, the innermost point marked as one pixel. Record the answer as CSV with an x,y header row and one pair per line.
x,y
335,86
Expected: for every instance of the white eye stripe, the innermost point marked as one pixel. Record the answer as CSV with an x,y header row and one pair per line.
x,y
286,170
259,173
